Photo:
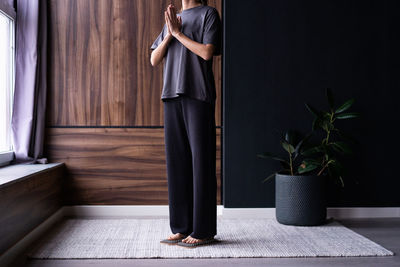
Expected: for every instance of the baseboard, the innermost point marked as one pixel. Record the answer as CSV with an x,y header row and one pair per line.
x,y
121,210
364,212
12,253
162,210
337,213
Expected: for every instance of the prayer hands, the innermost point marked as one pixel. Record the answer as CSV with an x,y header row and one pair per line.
x,y
174,22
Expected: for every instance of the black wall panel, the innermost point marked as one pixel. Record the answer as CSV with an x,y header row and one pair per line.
x,y
279,55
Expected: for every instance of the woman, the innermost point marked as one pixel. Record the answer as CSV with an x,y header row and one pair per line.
x,y
188,43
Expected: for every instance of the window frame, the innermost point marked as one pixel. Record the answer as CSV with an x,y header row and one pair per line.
x,y
8,156
8,10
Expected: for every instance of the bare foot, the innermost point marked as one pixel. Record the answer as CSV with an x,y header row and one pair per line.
x,y
192,240
175,236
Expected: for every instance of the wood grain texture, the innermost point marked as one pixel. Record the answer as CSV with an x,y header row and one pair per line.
x,y
27,203
99,63
115,166
100,75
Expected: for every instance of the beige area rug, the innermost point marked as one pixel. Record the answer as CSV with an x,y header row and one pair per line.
x,y
139,238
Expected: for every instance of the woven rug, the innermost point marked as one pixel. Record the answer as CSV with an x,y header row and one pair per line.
x,y
139,238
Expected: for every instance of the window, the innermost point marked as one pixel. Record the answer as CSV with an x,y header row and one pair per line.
x,y
7,71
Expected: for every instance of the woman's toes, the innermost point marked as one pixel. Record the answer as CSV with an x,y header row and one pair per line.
x,y
175,236
190,240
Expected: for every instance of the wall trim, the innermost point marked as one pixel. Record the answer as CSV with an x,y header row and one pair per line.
x,y
364,212
121,210
334,212
162,210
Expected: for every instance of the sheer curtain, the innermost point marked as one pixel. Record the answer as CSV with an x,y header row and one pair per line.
x,y
28,119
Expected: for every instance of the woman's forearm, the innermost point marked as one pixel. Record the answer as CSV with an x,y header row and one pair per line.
x,y
158,54
174,24
205,51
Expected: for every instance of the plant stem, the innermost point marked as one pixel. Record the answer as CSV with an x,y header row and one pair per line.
x,y
325,166
328,132
326,142
320,172
327,137
290,163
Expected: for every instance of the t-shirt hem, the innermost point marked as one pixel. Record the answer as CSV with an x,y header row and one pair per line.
x,y
191,96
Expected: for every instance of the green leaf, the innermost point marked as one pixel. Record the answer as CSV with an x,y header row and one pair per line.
x,y
290,137
288,147
341,147
313,150
312,161
323,121
349,115
327,125
313,110
316,124
336,168
299,145
267,155
326,116
341,181
307,166
329,96
345,106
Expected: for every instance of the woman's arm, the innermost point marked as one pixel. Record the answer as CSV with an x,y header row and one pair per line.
x,y
158,54
205,51
174,23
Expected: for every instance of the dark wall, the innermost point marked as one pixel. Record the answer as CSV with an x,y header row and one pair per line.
x,y
281,54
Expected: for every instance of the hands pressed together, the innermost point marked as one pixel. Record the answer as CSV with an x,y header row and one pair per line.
x,y
174,27
174,22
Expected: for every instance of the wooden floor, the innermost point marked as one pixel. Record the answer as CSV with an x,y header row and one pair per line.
x,y
384,231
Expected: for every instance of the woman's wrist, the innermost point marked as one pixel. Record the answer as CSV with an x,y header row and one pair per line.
x,y
169,37
177,34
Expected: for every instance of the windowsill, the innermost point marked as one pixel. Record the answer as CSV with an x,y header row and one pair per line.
x,y
14,173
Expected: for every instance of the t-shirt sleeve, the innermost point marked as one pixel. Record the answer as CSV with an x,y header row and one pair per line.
x,y
213,30
159,39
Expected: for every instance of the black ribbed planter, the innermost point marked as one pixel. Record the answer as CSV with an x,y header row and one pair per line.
x,y
300,200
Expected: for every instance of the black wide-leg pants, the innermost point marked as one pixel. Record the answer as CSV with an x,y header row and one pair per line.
x,y
190,147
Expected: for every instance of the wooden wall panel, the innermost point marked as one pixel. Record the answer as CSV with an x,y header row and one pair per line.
x,y
100,72
100,75
115,166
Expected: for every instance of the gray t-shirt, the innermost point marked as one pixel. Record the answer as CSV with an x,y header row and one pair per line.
x,y
184,71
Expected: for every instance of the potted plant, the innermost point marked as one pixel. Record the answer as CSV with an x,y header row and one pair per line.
x,y
300,188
